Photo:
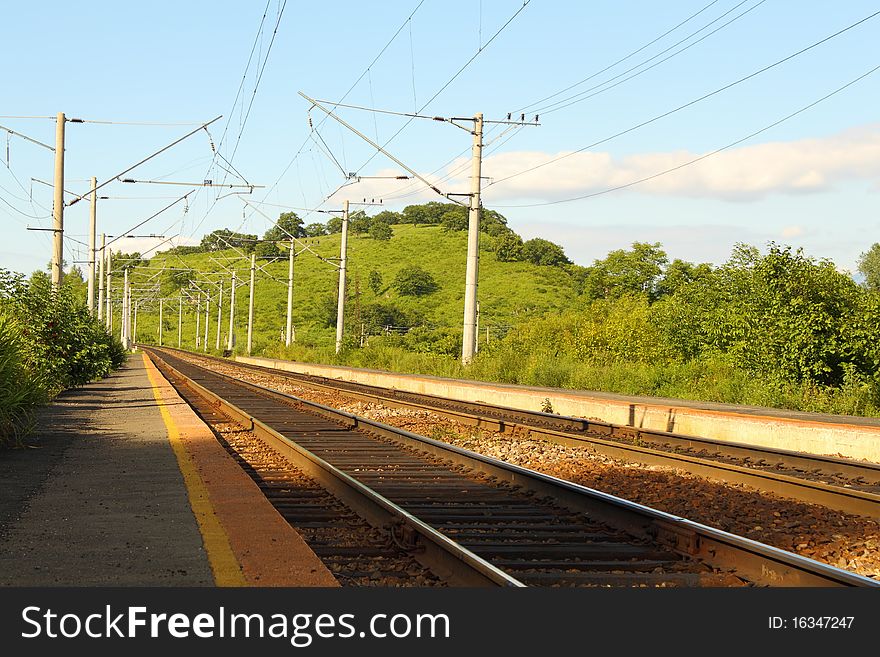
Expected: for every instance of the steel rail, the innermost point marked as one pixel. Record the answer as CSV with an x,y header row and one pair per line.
x,y
436,551
756,562
599,436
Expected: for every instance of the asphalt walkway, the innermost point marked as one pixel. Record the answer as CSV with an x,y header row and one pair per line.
x,y
125,486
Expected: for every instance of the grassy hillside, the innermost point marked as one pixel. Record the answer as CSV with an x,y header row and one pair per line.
x,y
509,292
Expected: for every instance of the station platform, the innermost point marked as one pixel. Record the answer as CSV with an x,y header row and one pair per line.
x,y
122,484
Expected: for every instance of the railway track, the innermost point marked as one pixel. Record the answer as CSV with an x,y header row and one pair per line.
x,y
841,484
474,520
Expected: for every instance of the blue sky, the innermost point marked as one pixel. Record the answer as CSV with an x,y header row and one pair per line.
x,y
811,182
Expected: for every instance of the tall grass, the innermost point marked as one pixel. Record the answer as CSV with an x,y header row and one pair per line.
x,y
21,390
705,379
48,342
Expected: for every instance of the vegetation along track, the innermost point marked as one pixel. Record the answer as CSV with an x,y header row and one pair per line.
x,y
841,484
475,520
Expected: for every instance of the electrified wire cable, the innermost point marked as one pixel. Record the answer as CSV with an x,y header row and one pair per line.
x,y
702,157
690,103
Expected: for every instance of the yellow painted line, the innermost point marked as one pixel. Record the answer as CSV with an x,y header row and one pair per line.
x,y
224,565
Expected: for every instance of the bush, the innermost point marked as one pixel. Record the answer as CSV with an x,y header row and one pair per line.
x,y
414,281
48,342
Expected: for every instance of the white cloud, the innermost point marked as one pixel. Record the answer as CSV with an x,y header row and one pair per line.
x,y
793,231
741,174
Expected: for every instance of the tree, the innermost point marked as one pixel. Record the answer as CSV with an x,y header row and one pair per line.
x,y
869,267
414,281
379,230
621,272
389,217
315,230
544,252
226,239
181,277
374,281
679,273
334,225
455,218
267,250
288,224
509,248
358,222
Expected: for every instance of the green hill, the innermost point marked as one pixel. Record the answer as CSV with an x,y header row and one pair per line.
x,y
509,292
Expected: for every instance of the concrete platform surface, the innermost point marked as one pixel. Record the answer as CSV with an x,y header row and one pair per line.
x,y
125,486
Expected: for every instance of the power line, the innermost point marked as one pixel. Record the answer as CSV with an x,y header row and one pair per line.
x,y
702,157
635,52
344,96
690,103
450,81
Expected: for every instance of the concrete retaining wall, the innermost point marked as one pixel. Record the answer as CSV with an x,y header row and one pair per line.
x,y
851,437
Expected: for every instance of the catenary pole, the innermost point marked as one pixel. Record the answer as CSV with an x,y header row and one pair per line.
x,y
250,332
230,342
101,281
207,320
93,225
109,299
198,320
123,323
469,337
180,323
58,204
160,320
219,316
288,334
340,307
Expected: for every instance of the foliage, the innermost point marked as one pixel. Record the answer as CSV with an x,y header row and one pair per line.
x,y
414,281
869,267
509,248
49,342
267,250
374,282
226,239
622,273
358,222
181,278
334,225
380,230
543,252
315,230
378,316
287,225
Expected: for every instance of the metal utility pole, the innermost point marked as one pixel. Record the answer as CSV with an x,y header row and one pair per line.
x,y
134,332
219,315
288,335
123,324
101,281
343,249
230,343
93,223
469,339
250,339
207,320
160,320
198,320
109,301
180,323
58,205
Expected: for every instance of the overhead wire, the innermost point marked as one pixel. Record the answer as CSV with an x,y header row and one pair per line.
x,y
702,157
689,103
598,89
